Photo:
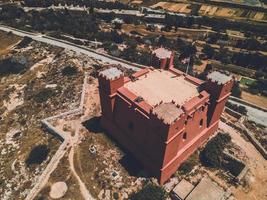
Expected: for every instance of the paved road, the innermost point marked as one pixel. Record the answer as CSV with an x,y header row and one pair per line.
x,y
254,114
70,46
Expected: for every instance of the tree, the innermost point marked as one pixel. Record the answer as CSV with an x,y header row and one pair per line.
x,y
149,192
208,51
236,91
37,155
211,155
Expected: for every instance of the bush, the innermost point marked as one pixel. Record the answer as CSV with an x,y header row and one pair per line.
x,y
44,94
189,164
37,155
211,155
24,42
69,71
237,108
149,192
236,91
10,66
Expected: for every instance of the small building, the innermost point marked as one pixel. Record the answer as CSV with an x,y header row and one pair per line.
x,y
206,189
162,115
181,190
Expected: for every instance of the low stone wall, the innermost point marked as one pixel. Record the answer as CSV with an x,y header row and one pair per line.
x,y
254,141
242,129
233,113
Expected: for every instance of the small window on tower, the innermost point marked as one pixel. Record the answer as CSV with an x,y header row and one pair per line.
x,y
184,136
201,123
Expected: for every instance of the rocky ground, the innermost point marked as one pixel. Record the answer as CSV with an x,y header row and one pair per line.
x,y
48,82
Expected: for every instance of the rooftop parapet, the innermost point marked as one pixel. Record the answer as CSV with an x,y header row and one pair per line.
x,y
111,73
219,78
167,112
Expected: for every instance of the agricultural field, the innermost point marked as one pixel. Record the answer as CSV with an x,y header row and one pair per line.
x,y
243,2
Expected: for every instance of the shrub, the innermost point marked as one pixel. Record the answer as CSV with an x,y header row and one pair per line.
x,y
69,71
211,155
149,192
189,164
237,108
44,94
37,155
10,66
24,42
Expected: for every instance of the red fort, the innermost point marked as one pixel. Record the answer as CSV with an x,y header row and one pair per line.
x,y
162,115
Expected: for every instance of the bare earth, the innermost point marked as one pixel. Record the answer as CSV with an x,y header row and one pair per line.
x,y
258,100
257,188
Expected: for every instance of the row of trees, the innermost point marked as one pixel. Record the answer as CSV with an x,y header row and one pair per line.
x,y
219,25
91,3
251,60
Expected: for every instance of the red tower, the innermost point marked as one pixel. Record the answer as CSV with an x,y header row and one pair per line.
x,y
162,58
161,116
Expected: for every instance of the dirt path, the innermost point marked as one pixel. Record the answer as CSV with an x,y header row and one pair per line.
x,y
257,165
84,191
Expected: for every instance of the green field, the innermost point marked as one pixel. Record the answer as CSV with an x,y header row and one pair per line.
x,y
247,81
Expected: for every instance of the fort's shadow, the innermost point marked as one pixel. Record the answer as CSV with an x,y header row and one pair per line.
x,y
93,125
128,161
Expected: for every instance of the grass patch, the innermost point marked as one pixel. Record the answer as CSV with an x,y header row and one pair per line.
x,y
189,164
247,81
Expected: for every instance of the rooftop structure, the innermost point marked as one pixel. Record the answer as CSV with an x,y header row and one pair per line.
x,y
163,86
161,116
207,190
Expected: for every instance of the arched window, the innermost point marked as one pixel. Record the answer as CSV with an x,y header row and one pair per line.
x,y
184,136
201,123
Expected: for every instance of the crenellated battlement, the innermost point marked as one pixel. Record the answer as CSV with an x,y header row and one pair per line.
x,y
168,113
111,74
219,78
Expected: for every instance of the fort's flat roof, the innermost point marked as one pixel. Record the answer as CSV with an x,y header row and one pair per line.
x,y
160,86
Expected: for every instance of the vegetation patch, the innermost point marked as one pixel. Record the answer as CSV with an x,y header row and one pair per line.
x,y
237,108
24,42
247,81
44,94
11,66
211,155
149,192
189,164
69,71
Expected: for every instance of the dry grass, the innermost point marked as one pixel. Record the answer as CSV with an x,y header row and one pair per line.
x,y
8,40
260,101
